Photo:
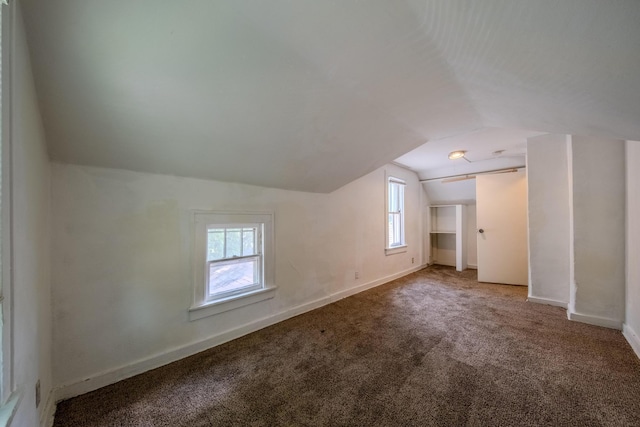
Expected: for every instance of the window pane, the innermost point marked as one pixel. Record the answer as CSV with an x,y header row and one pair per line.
x,y
393,197
228,276
234,242
249,241
395,227
215,244
397,239
391,229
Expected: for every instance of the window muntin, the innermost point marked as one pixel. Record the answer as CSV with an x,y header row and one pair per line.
x,y
234,259
232,241
395,220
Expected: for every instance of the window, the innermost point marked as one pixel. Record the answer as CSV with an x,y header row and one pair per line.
x,y
232,261
395,214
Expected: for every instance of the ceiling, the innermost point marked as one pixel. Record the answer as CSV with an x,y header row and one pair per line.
x,y
310,95
486,149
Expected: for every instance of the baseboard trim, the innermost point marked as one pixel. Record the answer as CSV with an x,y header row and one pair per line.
x,y
632,338
595,320
357,289
49,411
547,301
111,376
472,266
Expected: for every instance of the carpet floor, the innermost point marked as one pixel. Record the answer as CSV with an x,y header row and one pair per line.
x,y
435,348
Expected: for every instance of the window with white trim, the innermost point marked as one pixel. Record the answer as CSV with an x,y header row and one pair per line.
x,y
233,261
395,220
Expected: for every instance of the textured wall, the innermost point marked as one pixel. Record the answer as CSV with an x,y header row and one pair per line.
x,y
31,278
121,266
598,194
548,198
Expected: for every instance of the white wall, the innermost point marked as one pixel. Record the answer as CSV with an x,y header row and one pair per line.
x,y
548,201
30,288
447,193
597,293
631,327
121,266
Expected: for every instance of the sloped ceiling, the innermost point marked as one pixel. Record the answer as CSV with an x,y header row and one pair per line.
x,y
310,95
486,149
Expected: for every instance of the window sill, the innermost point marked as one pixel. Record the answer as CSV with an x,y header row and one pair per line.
x,y
8,410
230,303
395,250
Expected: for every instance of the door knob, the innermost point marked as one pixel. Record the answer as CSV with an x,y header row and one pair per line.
x,y
481,231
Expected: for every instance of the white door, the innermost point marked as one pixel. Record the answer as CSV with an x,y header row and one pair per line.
x,y
502,228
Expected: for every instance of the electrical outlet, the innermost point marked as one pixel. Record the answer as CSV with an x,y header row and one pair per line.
x,y
413,260
357,275
38,393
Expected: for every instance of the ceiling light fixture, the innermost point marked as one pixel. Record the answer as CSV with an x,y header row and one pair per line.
x,y
458,154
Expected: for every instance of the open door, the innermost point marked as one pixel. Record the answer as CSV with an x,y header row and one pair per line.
x,y
502,228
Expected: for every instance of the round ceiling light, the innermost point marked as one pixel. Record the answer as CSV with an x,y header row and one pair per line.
x,y
458,154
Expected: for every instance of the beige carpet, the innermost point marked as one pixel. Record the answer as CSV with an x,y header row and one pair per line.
x,y
432,349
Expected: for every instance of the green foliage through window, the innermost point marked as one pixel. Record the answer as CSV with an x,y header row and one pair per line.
x,y
230,242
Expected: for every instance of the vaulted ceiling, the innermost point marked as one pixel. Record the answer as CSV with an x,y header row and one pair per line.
x,y
310,95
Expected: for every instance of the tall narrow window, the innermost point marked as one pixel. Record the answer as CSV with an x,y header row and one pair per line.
x,y
395,222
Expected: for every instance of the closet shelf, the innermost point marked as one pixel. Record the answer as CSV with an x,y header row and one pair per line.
x,y
448,235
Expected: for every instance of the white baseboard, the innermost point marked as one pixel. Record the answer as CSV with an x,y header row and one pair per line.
x,y
595,320
48,412
632,338
111,376
547,301
472,266
357,289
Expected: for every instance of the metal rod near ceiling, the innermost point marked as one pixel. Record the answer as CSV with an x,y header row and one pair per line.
x,y
461,177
